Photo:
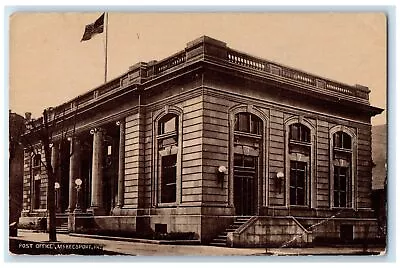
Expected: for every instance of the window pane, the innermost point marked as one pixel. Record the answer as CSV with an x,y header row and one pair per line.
x,y
244,122
336,140
336,199
294,132
37,194
343,200
249,161
342,183
292,177
170,125
167,124
300,196
342,187
306,134
336,178
349,196
36,160
302,166
238,160
346,141
297,182
256,125
343,171
236,122
293,196
168,178
300,178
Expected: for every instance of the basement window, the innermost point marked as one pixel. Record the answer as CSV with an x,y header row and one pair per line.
x,y
160,228
346,232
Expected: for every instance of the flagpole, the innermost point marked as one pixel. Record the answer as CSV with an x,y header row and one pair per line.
x,y
106,41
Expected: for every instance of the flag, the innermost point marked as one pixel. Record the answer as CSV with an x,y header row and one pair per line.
x,y
94,28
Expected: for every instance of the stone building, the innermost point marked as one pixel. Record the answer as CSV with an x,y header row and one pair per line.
x,y
237,149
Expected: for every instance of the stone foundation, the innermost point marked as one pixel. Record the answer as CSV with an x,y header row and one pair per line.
x,y
288,231
33,223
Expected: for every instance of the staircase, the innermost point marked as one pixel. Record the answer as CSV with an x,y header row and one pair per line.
x,y
63,228
220,240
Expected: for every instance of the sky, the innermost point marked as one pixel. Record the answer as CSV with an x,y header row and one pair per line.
x,y
49,65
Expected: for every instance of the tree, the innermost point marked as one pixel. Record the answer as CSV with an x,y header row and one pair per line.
x,y
15,167
44,131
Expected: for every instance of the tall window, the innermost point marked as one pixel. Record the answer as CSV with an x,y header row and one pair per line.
x,y
298,165
36,191
247,156
298,175
36,165
167,144
342,162
342,187
37,160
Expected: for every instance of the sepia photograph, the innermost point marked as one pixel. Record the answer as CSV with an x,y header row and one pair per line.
x,y
197,134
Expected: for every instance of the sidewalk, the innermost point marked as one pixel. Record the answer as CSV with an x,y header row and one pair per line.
x,y
148,249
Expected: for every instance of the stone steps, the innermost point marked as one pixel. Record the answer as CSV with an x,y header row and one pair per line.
x,y
221,239
63,228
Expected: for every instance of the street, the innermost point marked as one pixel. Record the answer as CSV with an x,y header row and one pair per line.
x,y
116,247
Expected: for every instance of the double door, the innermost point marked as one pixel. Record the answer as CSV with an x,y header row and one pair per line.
x,y
245,184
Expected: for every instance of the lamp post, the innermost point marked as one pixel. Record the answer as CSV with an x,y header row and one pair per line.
x,y
56,188
78,183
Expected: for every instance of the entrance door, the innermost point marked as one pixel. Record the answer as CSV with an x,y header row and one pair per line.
x,y
245,184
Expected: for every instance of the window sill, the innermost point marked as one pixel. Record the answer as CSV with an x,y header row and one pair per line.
x,y
166,205
167,135
39,210
302,143
343,150
299,206
247,134
342,208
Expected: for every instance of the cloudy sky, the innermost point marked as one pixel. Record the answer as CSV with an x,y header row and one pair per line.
x,y
49,65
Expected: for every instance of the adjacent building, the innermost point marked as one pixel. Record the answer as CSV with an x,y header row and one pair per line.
x,y
379,177
239,150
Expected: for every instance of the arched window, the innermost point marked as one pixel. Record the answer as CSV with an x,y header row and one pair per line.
x,y
167,147
248,123
299,159
36,160
342,162
299,132
247,159
36,181
341,140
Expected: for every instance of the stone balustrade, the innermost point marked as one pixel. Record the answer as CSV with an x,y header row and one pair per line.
x,y
206,48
